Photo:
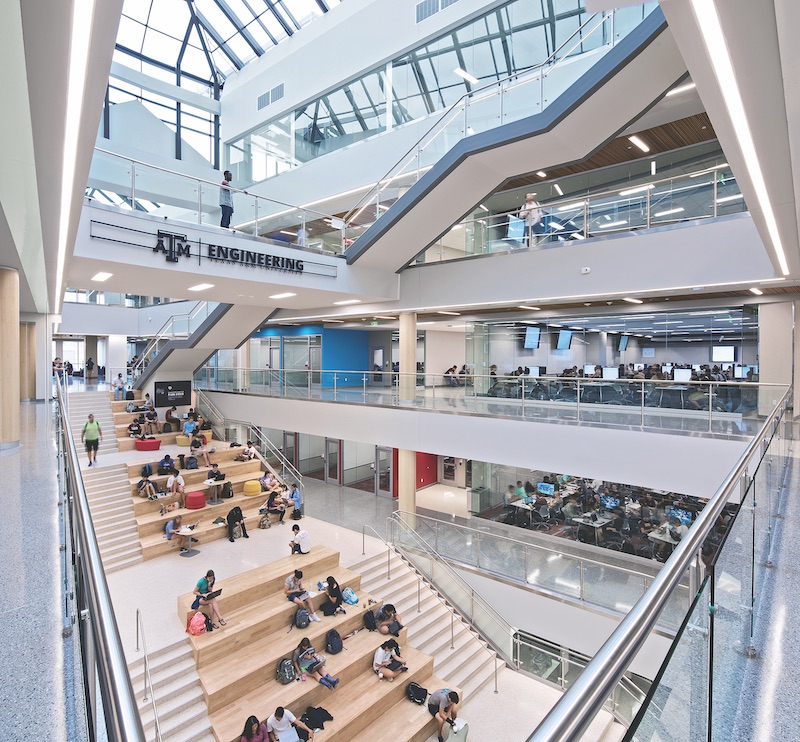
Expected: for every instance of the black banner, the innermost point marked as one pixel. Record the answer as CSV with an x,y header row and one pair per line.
x,y
169,393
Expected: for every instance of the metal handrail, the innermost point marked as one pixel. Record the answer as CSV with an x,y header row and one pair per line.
x,y
164,331
207,182
148,680
123,722
355,210
574,712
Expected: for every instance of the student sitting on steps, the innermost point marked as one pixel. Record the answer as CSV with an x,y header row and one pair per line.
x,y
307,662
279,725
296,593
389,622
387,663
443,706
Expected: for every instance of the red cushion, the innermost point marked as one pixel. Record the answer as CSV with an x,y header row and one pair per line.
x,y
195,500
153,445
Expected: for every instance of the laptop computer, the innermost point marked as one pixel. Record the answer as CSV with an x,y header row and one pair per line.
x,y
212,595
219,476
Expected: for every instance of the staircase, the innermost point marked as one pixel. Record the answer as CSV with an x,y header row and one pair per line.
x,y
109,494
182,714
81,405
468,665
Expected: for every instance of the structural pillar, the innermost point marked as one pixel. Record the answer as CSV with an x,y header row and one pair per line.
x,y
775,349
27,360
9,368
408,357
406,480
90,351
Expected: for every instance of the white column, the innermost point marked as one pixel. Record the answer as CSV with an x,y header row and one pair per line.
x,y
775,349
9,368
407,480
117,357
408,356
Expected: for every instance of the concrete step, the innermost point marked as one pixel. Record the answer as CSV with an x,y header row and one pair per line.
x,y
122,547
173,701
162,656
122,562
122,538
188,726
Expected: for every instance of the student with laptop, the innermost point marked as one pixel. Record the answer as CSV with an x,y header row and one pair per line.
x,y
207,597
173,530
176,485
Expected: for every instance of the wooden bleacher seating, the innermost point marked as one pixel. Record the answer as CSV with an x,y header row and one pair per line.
x,y
237,663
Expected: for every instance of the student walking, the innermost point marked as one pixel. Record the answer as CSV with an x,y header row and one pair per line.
x,y
91,435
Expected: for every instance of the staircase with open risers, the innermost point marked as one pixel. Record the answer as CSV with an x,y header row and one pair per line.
x,y
81,405
182,713
469,665
109,493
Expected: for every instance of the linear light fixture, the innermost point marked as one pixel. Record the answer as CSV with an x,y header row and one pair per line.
x,y
345,302
380,317
282,296
334,321
556,225
452,314
463,73
201,287
541,173
80,36
101,276
291,234
653,167
726,199
681,89
532,309
757,292
676,210
558,189
568,207
425,323
619,223
638,189
632,301
711,30
639,142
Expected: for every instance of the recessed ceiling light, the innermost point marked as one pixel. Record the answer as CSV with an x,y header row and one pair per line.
x,y
466,75
337,321
201,287
558,189
347,301
425,323
533,309
452,314
291,234
757,292
632,301
653,167
619,223
101,276
725,199
681,89
638,189
639,143
568,207
282,296
541,173
379,317
677,210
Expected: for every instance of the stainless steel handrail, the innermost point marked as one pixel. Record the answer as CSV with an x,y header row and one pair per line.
x,y
539,66
148,680
123,723
574,712
207,182
164,332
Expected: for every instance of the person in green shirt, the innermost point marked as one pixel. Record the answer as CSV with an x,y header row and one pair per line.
x,y
91,435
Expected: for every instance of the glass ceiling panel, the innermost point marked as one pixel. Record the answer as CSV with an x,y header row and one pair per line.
x,y
235,32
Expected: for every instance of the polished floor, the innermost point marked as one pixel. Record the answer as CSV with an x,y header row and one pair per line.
x,y
36,700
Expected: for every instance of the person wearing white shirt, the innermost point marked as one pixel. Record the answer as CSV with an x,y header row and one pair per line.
x,y
175,484
531,214
300,543
280,729
386,662
119,387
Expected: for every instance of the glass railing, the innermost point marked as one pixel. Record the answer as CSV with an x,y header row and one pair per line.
x,y
178,326
699,685
512,98
114,299
703,194
730,408
548,661
593,582
133,185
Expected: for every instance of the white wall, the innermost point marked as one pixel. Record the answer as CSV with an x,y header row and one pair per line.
x,y
674,463
117,358
99,319
443,350
568,625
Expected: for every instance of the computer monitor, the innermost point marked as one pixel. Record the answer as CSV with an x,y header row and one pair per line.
x,y
666,368
588,369
739,372
638,367
532,335
185,415
726,366
682,374
545,488
611,372
609,503
697,367
534,371
685,516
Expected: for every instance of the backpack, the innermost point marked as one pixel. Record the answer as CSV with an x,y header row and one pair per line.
x,y
191,462
197,624
333,642
285,673
209,624
301,618
130,407
167,428
416,693
147,470
369,621
349,596
227,491
296,514
129,395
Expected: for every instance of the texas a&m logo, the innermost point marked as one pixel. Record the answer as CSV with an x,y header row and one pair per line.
x,y
172,245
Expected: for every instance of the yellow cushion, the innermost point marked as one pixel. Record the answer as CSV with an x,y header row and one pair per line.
x,y
182,440
252,488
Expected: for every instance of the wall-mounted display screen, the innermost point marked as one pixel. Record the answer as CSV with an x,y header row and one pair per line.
x,y
564,339
169,393
623,343
648,352
723,354
532,337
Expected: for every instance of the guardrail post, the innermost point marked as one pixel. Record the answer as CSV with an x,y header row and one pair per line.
x,y
364,380
578,399
199,202
523,397
647,207
334,387
714,191
710,407
586,218
452,629
419,583
643,404
581,579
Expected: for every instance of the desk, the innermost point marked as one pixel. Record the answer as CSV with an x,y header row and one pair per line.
x,y
213,483
186,531
664,538
601,521
520,505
